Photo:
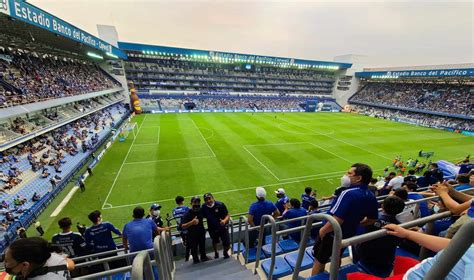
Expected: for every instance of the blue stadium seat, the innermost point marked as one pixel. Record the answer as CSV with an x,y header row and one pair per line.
x,y
253,254
288,245
291,259
267,250
342,275
282,268
235,246
309,252
268,239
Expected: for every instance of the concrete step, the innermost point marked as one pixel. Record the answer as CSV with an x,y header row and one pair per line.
x,y
230,269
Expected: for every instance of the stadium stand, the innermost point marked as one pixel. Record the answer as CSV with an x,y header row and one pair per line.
x,y
35,77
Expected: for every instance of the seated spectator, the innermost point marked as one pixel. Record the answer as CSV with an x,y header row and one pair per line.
x,y
411,211
463,181
411,188
376,257
257,210
307,197
295,211
36,197
282,201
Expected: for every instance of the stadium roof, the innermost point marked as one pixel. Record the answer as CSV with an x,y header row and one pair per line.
x,y
227,57
428,71
23,22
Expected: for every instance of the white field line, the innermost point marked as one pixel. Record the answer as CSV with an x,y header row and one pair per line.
x,y
157,140
200,133
343,158
123,163
276,144
261,163
221,192
64,202
334,138
164,160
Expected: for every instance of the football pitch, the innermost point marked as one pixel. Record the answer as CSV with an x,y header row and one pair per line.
x,y
229,154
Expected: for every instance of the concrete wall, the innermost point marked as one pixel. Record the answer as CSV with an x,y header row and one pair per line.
x,y
358,62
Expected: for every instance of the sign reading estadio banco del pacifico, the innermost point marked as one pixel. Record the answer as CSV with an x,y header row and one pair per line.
x,y
30,14
463,72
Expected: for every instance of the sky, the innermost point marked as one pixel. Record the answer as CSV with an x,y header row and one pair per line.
x,y
389,33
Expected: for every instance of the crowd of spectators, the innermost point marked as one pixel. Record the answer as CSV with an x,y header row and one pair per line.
x,y
38,77
447,98
427,120
174,74
353,206
45,155
233,103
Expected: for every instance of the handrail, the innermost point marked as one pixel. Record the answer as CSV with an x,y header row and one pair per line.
x,y
451,254
271,220
113,258
142,265
158,254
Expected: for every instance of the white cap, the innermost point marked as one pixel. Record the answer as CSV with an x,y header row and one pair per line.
x,y
260,192
280,191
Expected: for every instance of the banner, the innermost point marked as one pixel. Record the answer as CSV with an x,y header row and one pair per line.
x,y
28,13
466,72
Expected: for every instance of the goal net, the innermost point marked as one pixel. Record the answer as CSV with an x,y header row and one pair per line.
x,y
127,129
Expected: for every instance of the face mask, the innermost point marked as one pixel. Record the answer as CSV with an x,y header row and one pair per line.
x,y
210,206
196,208
156,213
436,208
345,181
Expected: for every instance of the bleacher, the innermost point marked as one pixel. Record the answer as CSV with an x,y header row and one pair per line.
x,y
34,183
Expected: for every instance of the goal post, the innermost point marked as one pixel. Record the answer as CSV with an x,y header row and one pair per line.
x,y
127,129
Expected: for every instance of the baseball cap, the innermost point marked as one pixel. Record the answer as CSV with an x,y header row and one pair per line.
x,y
280,191
155,206
207,195
260,192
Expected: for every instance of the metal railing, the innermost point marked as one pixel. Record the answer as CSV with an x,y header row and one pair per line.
x,y
142,267
162,254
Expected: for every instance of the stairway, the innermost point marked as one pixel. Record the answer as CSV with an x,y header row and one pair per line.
x,y
230,269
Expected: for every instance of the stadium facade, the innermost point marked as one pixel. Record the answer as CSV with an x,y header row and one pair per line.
x,y
55,76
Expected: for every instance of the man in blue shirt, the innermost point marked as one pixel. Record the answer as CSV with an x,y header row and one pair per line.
x,y
307,197
99,235
72,243
178,214
295,211
257,210
350,208
138,234
282,200
99,239
463,180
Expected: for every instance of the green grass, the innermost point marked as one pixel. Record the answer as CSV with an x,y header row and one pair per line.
x,y
230,154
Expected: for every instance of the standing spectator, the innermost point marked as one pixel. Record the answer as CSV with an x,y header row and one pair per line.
x,y
99,235
82,186
294,211
72,243
307,197
193,221
217,218
138,233
178,214
350,208
282,201
39,228
26,257
376,257
155,216
257,210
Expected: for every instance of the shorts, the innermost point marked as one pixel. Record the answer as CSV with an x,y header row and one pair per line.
x,y
322,249
220,234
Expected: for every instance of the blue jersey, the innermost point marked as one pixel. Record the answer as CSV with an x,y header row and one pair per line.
x,y
178,214
423,206
260,208
295,213
306,200
280,204
139,234
352,206
99,237
72,243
